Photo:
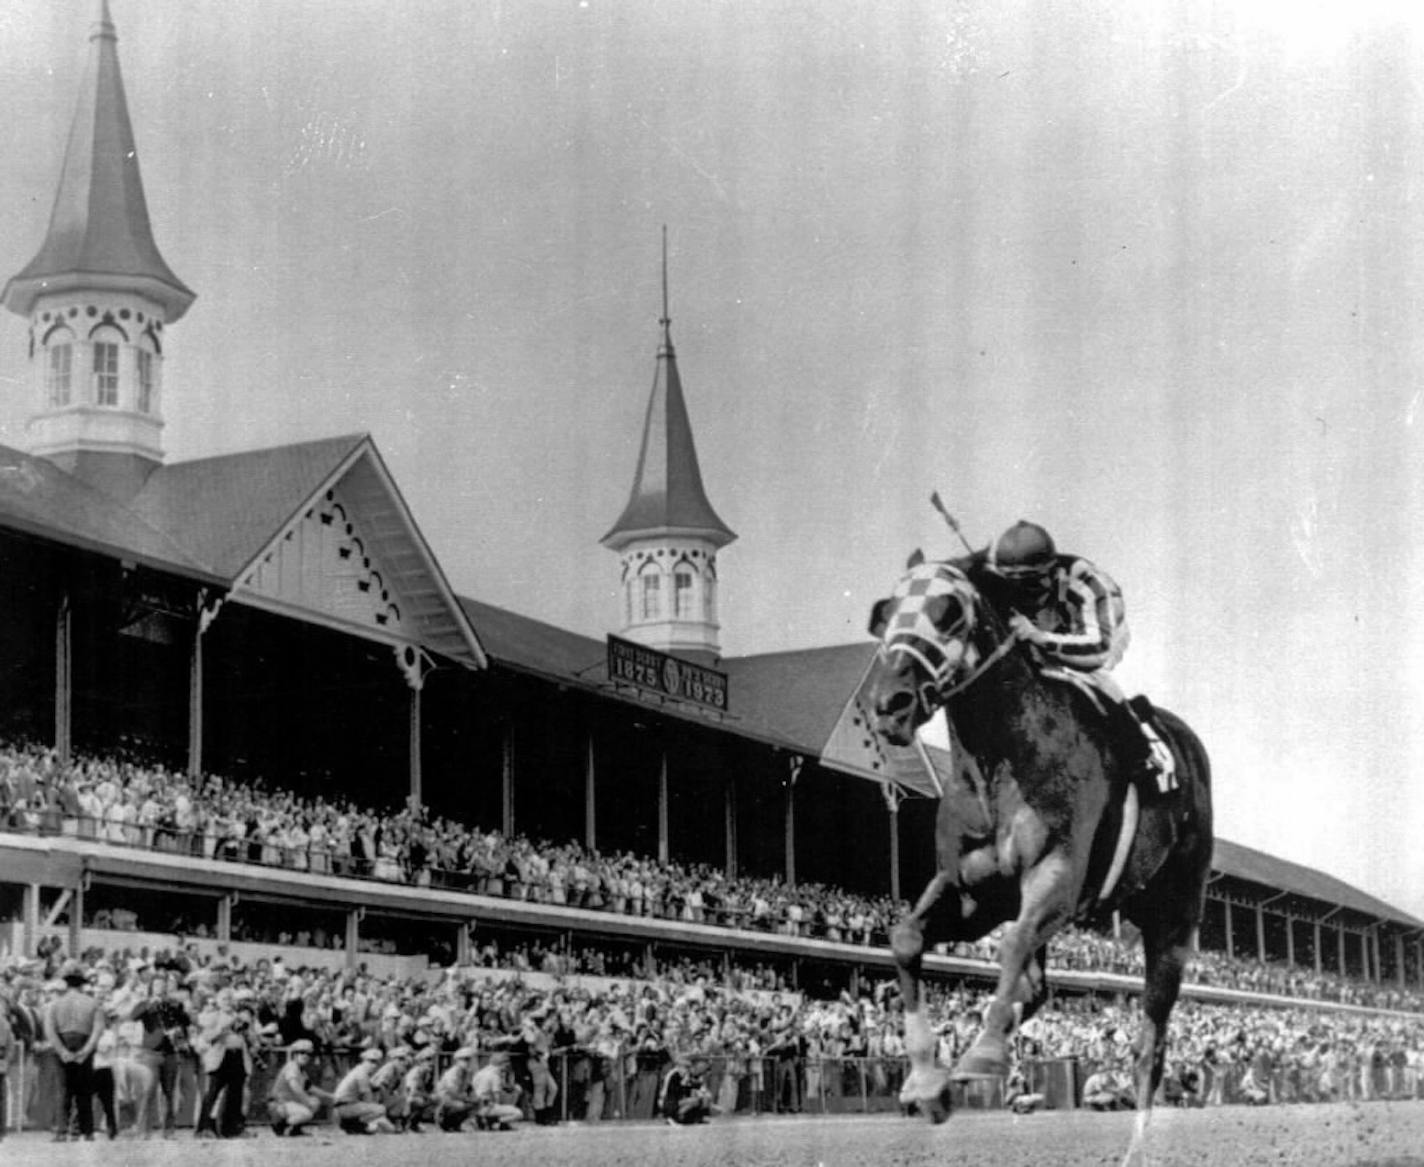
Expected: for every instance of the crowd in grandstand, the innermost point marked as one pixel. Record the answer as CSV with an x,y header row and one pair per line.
x,y
145,805
132,804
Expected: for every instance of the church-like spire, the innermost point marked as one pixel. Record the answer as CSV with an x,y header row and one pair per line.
x,y
99,233
668,535
667,495
98,295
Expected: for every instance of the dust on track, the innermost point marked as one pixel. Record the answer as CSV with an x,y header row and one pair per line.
x,y
1377,1134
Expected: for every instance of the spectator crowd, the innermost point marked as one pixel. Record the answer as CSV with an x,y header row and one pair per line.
x,y
225,1046
482,1045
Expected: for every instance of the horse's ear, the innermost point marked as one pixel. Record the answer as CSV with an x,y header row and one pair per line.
x,y
917,557
879,617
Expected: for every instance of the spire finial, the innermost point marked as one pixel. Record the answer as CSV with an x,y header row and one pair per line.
x,y
104,27
666,320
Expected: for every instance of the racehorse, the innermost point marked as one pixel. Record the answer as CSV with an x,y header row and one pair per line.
x,y
1037,827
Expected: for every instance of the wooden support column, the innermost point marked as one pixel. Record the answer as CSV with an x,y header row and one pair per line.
x,y
462,942
892,806
507,781
793,772
224,926
663,845
1260,933
1340,947
412,664
207,612
1399,957
32,918
1365,956
729,815
1230,940
590,791
1318,967
63,677
353,935
76,916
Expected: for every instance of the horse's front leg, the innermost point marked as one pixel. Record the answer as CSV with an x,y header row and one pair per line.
x,y
926,1084
1045,904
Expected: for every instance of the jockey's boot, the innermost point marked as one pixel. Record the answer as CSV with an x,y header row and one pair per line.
x,y
1134,748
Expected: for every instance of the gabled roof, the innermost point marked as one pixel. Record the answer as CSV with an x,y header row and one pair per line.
x,y
225,509
41,499
800,694
667,497
99,232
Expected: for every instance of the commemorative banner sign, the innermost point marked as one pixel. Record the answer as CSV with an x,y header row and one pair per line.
x,y
656,672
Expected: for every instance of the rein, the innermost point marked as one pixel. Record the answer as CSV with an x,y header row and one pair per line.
x,y
1001,650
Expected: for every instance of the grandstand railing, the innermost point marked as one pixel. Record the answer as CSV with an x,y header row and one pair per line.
x,y
625,1086
174,846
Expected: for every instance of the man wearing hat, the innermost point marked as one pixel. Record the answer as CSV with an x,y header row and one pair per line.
x,y
354,1103
293,1101
419,1088
388,1084
453,1104
488,1088
73,1024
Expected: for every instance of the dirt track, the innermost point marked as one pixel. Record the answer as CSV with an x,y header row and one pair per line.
x,y
1374,1135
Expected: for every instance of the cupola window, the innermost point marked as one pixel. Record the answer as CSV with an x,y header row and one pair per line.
x,y
682,604
145,380
59,373
106,373
652,596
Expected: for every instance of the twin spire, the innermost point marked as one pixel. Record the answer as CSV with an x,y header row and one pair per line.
x,y
99,234
667,496
668,534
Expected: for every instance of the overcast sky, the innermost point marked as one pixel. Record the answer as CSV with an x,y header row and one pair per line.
x,y
1150,276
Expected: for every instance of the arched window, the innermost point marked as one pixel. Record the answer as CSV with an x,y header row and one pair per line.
x,y
59,369
106,368
650,589
146,378
684,598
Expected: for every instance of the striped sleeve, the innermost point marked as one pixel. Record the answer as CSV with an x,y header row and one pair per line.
x,y
1091,604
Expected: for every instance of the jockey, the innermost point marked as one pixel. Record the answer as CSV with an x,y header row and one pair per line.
x,y
1073,611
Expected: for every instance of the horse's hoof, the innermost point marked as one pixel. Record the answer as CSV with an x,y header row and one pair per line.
x,y
937,1109
929,1091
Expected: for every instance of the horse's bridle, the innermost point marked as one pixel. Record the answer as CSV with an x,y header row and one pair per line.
x,y
937,690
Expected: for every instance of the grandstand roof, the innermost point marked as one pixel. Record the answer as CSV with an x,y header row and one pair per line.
x,y
1240,862
37,497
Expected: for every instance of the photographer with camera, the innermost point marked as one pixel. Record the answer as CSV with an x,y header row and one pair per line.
x,y
165,1040
226,1046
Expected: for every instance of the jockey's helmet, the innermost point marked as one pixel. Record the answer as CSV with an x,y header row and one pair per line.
x,y
1025,552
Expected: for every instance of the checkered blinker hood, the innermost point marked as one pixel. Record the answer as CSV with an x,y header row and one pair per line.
x,y
942,648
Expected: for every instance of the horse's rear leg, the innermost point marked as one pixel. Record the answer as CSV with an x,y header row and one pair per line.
x,y
1045,905
926,1085
1166,948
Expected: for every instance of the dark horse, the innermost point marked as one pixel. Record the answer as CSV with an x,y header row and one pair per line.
x,y
1037,827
